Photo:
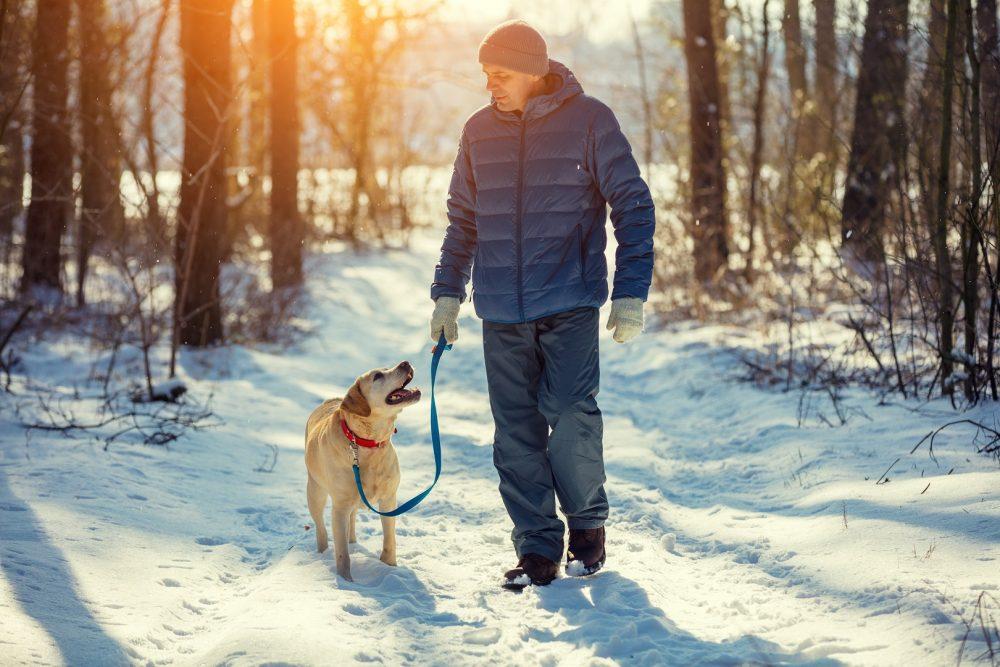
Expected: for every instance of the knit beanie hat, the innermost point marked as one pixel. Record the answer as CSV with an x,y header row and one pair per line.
x,y
517,46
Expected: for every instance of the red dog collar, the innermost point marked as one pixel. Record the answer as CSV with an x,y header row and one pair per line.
x,y
359,441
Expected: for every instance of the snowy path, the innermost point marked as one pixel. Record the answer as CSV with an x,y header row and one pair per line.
x,y
735,535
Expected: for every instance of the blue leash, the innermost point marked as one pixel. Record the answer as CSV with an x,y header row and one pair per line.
x,y
439,349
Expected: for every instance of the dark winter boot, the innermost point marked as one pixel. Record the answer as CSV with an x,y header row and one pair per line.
x,y
586,551
531,569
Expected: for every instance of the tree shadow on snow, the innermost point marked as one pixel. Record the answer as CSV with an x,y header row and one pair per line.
x,y
46,589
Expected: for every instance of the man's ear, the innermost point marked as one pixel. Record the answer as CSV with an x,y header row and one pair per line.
x,y
356,402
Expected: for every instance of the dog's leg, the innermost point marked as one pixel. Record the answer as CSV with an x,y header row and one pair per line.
x,y
388,531
351,535
341,517
317,503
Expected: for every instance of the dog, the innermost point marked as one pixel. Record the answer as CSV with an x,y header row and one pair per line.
x,y
368,413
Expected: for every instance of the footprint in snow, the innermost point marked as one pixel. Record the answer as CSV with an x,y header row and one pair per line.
x,y
355,610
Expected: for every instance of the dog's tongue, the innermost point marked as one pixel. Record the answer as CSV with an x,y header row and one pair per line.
x,y
402,393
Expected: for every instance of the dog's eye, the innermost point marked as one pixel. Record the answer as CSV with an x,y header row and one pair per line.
x,y
378,376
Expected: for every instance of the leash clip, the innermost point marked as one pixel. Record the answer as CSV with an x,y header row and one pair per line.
x,y
354,449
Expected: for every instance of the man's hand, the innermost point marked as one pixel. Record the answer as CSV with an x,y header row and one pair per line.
x,y
625,318
445,318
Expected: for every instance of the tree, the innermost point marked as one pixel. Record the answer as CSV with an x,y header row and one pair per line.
x,y
989,58
971,230
878,138
757,152
51,151
798,85
201,216
13,82
101,212
286,233
258,93
708,182
827,93
946,316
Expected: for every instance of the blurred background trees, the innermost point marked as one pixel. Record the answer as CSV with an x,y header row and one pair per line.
x,y
825,172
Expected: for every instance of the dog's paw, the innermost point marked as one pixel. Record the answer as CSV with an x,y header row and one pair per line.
x,y
321,544
388,559
345,575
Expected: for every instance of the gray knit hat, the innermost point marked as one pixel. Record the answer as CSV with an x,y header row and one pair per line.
x,y
517,46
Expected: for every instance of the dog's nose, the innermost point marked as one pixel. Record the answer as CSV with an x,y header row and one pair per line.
x,y
406,366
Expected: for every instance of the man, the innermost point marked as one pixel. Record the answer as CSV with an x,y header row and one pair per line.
x,y
527,215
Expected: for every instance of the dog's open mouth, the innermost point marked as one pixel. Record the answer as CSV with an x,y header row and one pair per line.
x,y
403,395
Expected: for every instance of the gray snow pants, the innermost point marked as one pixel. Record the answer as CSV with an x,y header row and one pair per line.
x,y
543,379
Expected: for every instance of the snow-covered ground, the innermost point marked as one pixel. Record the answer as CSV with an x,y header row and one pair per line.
x,y
735,536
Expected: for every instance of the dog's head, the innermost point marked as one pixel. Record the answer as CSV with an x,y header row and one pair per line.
x,y
381,391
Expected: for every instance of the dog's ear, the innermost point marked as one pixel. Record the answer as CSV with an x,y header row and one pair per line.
x,y
356,402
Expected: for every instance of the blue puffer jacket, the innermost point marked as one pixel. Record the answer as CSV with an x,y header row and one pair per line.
x,y
527,208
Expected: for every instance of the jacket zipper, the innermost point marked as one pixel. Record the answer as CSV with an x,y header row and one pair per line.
x,y
520,188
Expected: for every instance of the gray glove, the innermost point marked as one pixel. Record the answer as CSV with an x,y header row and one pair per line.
x,y
625,318
445,318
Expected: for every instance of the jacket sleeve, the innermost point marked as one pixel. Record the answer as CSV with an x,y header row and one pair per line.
x,y
618,179
452,272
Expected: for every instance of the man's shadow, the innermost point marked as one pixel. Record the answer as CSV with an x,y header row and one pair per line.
x,y
618,621
45,588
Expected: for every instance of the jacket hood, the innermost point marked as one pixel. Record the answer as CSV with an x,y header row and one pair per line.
x,y
561,85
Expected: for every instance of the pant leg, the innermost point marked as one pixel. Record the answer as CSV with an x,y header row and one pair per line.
x,y
567,399
513,371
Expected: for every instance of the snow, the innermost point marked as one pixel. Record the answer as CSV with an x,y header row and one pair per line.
x,y
520,580
736,535
575,568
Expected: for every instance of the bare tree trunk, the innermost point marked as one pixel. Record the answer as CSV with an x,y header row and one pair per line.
x,y
11,178
101,215
51,151
149,118
756,154
927,124
201,224
971,226
13,80
257,136
989,50
720,31
946,314
827,95
795,63
286,225
989,57
708,199
878,139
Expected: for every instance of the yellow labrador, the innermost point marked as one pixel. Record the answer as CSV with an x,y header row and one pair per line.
x,y
368,414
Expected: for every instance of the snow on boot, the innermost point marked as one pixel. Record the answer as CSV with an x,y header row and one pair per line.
x,y
586,551
531,569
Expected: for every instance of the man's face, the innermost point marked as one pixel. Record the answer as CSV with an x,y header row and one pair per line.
x,y
509,88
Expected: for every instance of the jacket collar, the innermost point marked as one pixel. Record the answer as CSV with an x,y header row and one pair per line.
x,y
565,86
